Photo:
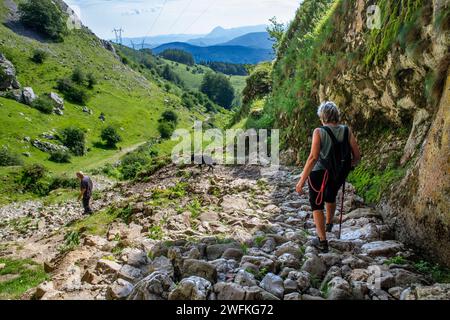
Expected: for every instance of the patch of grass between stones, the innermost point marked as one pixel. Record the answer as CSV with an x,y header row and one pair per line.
x,y
19,276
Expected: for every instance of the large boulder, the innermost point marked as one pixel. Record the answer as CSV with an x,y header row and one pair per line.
x,y
57,100
192,288
315,266
28,95
368,232
229,291
362,213
339,289
289,247
302,278
288,260
273,284
7,74
162,264
108,266
293,296
382,248
260,262
224,268
403,278
156,286
119,290
245,279
199,268
215,251
134,257
233,253
130,273
48,147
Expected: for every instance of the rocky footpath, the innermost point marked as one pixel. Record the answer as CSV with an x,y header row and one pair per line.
x,y
240,233
33,220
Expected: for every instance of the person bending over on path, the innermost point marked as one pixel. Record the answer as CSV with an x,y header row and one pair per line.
x,y
86,187
323,182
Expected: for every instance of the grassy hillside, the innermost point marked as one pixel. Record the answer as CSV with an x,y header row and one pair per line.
x,y
192,77
131,101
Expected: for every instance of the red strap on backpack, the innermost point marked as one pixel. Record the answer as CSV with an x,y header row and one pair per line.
x,y
320,192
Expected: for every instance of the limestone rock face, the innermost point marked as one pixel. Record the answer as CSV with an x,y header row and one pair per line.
x,y
425,221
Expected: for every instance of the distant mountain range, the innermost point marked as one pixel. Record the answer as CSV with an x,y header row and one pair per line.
x,y
152,42
231,54
250,44
253,40
220,35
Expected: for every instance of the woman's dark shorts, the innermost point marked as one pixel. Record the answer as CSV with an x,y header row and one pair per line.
x,y
330,193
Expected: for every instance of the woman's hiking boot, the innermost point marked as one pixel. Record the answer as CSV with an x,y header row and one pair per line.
x,y
322,246
330,227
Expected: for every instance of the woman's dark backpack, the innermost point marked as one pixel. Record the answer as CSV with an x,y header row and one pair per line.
x,y
339,160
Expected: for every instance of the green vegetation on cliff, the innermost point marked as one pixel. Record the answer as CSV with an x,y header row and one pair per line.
x,y
312,57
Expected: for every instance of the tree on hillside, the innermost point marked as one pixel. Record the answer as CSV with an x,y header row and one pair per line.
x,y
168,74
178,56
44,16
169,116
78,76
227,68
74,139
259,83
110,137
276,31
218,88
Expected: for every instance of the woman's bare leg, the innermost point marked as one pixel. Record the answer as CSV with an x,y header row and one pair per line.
x,y
319,220
331,210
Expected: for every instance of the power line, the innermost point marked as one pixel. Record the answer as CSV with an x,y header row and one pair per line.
x,y
181,14
201,15
156,20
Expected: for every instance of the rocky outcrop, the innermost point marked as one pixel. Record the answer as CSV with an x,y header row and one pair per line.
x,y
58,103
48,147
8,79
420,211
28,95
110,47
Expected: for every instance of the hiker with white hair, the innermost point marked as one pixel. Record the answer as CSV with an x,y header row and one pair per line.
x,y
334,152
86,187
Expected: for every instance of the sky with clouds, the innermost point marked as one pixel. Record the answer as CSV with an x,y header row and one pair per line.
x,y
156,17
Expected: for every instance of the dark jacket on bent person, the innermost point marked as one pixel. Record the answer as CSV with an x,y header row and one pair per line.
x,y
86,183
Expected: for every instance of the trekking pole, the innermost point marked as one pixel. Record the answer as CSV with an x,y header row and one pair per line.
x,y
342,211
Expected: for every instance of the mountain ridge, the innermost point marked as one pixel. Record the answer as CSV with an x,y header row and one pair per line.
x,y
253,40
216,36
231,54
